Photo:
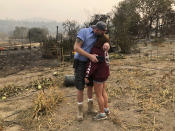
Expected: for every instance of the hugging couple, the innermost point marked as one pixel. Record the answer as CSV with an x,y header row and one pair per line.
x,y
91,65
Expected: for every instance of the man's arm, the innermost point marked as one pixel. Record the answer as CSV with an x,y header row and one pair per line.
x,y
77,48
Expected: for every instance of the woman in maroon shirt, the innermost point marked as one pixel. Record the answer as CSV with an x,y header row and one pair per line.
x,y
99,72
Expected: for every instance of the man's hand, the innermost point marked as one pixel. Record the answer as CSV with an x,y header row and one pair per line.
x,y
93,58
77,48
106,46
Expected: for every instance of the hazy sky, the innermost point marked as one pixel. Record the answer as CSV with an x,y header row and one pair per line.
x,y
59,10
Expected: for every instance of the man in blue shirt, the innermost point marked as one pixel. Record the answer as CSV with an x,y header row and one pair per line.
x,y
85,40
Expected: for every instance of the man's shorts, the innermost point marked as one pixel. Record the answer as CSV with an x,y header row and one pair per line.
x,y
80,70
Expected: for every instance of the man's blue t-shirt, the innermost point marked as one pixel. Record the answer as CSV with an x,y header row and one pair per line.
x,y
88,37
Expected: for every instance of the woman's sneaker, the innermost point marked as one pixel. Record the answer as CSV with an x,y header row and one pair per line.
x,y
100,116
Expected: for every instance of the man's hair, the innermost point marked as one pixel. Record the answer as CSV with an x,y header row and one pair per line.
x,y
101,40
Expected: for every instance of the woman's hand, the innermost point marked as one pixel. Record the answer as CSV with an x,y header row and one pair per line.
x,y
86,80
106,46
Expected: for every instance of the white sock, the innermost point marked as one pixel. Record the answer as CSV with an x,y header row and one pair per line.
x,y
102,114
80,103
90,99
106,109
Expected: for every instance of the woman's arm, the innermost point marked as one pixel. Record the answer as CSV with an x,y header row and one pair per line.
x,y
90,69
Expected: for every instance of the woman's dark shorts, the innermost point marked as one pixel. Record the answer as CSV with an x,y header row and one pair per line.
x,y
80,70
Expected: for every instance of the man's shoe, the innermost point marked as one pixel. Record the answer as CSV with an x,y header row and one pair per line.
x,y
80,112
100,117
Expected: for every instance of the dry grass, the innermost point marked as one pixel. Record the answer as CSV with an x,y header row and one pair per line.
x,y
116,120
1,124
13,90
42,83
45,102
116,56
152,94
40,115
9,90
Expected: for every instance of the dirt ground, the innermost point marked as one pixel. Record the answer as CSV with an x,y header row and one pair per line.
x,y
141,94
